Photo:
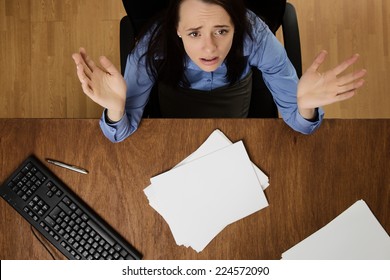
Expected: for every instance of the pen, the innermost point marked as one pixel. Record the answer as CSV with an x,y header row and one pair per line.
x,y
67,166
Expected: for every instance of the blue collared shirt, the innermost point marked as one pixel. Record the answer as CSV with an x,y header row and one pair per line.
x,y
263,51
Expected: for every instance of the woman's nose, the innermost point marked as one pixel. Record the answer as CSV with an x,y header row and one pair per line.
x,y
209,44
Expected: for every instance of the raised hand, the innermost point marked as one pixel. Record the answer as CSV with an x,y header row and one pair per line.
x,y
103,84
317,89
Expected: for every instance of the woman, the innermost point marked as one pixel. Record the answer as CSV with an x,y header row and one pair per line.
x,y
200,53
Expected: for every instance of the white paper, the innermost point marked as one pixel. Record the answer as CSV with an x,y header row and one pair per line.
x,y
354,235
200,198
217,140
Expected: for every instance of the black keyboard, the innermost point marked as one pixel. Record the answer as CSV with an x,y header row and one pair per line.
x,y
63,218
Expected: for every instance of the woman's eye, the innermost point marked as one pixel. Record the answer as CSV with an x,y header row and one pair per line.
x,y
193,34
222,32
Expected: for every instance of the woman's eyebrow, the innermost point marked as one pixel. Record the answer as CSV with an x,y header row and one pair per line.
x,y
194,28
215,26
222,26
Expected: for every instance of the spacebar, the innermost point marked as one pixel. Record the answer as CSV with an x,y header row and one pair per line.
x,y
101,232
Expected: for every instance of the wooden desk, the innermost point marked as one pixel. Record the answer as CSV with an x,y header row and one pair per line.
x,y
312,179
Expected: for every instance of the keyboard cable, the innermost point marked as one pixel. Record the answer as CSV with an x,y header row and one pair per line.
x,y
40,241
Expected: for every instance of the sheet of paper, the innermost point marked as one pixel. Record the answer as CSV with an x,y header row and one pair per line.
x,y
217,140
198,199
354,235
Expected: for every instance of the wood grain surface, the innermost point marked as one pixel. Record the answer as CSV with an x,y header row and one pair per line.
x,y
313,179
37,38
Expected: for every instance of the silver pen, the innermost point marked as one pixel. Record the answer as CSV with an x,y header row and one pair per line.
x,y
67,166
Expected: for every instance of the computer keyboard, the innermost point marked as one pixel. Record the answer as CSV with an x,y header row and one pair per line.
x,y
61,217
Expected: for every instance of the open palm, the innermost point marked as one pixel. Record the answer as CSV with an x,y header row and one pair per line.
x,y
317,89
104,85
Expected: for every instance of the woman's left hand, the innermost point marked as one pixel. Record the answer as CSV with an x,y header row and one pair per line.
x,y
317,89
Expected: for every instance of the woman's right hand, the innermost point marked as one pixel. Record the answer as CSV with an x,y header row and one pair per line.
x,y
104,85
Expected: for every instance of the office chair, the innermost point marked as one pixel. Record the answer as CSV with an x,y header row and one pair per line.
x,y
275,14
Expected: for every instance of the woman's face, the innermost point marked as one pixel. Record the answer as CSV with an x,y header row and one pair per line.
x,y
207,33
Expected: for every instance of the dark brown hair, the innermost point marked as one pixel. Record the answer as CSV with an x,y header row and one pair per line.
x,y
165,55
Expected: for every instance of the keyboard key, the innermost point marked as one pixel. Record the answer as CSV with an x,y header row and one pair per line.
x,y
79,212
40,176
50,221
66,200
123,253
65,208
117,247
54,214
101,232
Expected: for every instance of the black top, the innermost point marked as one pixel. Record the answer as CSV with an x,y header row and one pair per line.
x,y
230,101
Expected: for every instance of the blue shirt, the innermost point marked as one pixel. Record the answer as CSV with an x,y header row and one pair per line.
x,y
263,51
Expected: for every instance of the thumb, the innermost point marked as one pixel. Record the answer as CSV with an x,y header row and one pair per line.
x,y
108,66
318,61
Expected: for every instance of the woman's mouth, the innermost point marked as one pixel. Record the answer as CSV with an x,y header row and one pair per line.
x,y
209,61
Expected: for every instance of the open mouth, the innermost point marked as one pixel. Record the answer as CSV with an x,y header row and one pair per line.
x,y
209,61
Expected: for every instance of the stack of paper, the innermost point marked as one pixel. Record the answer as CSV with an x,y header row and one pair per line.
x,y
354,235
212,188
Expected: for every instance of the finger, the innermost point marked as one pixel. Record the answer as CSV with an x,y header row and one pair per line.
x,y
344,65
318,61
85,85
77,58
87,90
82,75
345,96
108,66
351,77
350,87
80,62
87,60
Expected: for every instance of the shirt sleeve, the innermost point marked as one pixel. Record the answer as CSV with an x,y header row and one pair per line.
x,y
139,84
267,54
